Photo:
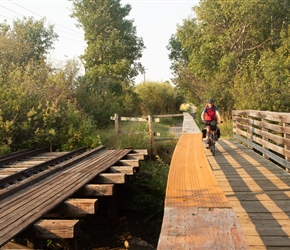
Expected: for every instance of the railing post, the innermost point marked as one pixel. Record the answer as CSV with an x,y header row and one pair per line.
x,y
287,136
117,124
264,138
151,133
250,135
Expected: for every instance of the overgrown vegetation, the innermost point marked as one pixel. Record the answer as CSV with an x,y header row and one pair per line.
x,y
46,106
236,52
37,106
149,193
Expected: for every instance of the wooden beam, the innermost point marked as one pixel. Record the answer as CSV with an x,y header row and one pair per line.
x,y
110,178
53,229
14,246
74,207
140,151
129,170
136,156
96,190
129,162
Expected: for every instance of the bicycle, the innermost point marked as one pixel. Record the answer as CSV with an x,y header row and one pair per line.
x,y
213,137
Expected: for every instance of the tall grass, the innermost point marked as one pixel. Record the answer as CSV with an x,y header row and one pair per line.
x,y
226,129
132,135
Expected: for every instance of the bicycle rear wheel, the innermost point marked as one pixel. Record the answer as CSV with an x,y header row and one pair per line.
x,y
212,145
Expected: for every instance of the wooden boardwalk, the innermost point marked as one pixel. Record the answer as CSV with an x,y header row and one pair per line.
x,y
259,192
236,199
197,214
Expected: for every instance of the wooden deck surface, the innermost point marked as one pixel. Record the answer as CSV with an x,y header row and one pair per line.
x,y
259,192
197,214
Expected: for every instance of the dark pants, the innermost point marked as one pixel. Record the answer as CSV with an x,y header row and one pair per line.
x,y
213,127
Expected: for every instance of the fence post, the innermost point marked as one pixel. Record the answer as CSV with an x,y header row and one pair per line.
x,y
287,136
151,133
117,124
264,137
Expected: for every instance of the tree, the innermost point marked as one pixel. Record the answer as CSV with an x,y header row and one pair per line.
x,y
113,49
265,85
27,41
111,59
159,98
37,107
223,45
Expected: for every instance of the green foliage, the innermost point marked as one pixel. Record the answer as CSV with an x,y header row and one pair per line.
x,y
159,98
113,48
149,193
136,137
27,42
165,150
265,85
102,107
111,60
132,135
236,52
37,108
226,129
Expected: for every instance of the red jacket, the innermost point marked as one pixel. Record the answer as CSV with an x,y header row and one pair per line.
x,y
210,113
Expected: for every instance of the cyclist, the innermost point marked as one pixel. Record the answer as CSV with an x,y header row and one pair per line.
x,y
210,117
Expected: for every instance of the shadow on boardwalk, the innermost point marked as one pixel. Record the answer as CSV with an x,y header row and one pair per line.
x,y
259,192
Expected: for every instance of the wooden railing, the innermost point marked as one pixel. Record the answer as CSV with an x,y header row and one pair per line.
x,y
266,132
150,119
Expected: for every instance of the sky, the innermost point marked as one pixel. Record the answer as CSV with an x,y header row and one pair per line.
x,y
155,22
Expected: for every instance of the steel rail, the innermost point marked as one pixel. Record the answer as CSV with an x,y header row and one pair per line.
x,y
49,170
16,177
16,156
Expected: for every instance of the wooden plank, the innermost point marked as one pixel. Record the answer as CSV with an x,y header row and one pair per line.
x,y
20,210
74,208
264,206
135,156
129,162
169,115
14,246
140,151
110,178
96,190
133,119
282,242
201,228
53,229
261,216
273,156
197,214
128,170
5,171
259,192
261,196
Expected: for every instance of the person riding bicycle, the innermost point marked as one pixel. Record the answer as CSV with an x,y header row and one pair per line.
x,y
210,117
